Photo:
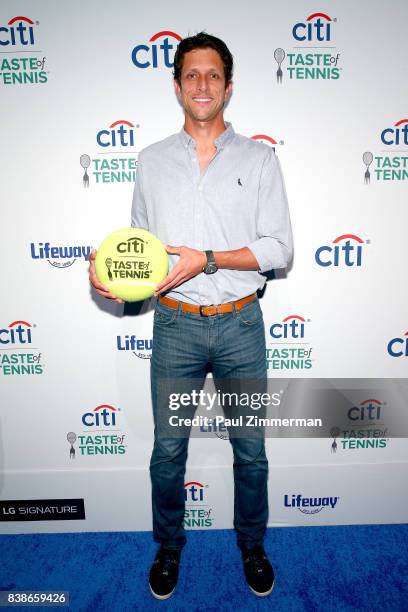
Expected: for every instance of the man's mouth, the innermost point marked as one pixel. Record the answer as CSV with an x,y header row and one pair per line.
x,y
201,99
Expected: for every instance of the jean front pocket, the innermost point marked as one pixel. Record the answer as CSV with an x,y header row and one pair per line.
x,y
164,315
250,314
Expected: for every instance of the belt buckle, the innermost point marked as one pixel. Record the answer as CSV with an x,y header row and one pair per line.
x,y
201,309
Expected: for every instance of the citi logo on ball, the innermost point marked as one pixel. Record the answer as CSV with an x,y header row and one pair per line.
x,y
101,416
20,31
396,135
157,54
132,245
292,326
120,133
346,250
17,333
398,347
194,491
317,27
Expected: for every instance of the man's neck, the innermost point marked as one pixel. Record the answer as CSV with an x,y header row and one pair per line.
x,y
204,132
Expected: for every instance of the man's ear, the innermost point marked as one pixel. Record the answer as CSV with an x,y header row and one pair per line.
x,y
228,91
177,88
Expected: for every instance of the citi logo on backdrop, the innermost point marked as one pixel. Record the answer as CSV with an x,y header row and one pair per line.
x,y
289,349
365,429
17,355
345,251
17,35
158,53
197,513
268,140
392,166
398,347
112,164
100,436
310,34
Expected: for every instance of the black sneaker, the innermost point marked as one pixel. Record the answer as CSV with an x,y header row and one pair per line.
x,y
258,571
164,573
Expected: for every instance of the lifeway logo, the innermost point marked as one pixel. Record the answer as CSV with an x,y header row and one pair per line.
x,y
312,64
113,165
289,349
197,513
268,140
17,36
389,167
159,53
17,336
345,251
140,347
59,256
398,347
366,429
309,505
103,440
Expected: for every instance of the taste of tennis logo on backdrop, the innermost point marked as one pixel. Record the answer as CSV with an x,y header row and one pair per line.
x,y
17,355
398,347
366,429
101,435
111,162
158,53
313,55
198,513
17,37
289,347
389,164
59,256
345,251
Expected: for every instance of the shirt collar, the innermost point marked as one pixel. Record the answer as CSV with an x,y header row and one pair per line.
x,y
220,142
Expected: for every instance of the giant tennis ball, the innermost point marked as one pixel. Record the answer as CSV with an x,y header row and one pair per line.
x,y
130,263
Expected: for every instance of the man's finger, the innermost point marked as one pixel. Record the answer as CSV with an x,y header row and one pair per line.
x,y
180,278
173,250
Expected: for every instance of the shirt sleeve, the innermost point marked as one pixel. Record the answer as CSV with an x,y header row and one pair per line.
x,y
274,245
139,212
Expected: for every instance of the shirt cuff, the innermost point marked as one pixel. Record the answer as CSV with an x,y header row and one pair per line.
x,y
269,253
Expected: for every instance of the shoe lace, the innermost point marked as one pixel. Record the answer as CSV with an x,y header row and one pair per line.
x,y
167,560
256,561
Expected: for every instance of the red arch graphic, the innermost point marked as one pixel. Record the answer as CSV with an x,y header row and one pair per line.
x,y
400,122
20,18
373,401
123,121
194,482
406,334
319,15
264,137
105,406
344,236
294,317
165,33
17,322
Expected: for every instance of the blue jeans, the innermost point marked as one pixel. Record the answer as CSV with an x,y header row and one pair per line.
x,y
183,345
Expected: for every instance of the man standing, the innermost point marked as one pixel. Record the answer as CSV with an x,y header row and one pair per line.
x,y
220,197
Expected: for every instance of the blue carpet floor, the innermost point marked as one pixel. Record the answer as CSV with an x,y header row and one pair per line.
x,y
335,569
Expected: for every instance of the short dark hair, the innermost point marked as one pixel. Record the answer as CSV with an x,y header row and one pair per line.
x,y
202,40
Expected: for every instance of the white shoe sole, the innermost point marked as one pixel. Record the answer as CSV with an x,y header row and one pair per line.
x,y
162,597
263,594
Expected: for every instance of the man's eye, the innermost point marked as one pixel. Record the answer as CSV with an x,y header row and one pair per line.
x,y
191,76
215,76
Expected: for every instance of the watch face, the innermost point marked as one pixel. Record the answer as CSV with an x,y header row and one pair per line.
x,y
210,268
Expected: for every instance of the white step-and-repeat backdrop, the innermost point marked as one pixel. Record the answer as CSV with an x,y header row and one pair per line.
x,y
84,86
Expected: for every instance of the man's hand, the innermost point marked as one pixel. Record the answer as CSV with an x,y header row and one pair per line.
x,y
190,264
99,288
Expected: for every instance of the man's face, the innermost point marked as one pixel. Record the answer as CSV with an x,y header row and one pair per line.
x,y
202,90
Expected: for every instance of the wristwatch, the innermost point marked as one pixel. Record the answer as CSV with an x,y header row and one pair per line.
x,y
211,266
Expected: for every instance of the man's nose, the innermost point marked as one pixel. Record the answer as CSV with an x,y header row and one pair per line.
x,y
202,83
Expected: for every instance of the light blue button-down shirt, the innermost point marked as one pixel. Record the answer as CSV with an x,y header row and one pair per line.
x,y
238,200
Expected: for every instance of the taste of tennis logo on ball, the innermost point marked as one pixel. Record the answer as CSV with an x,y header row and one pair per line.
x,y
130,263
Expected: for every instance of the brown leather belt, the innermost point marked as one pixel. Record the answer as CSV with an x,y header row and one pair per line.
x,y
206,311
